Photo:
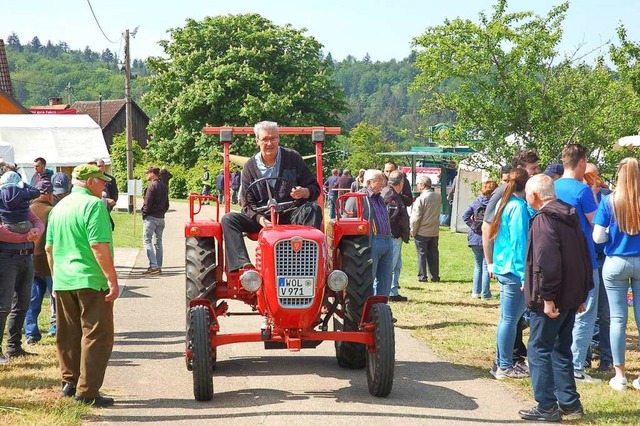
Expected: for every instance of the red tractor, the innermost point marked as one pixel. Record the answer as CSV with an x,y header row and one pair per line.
x,y
304,280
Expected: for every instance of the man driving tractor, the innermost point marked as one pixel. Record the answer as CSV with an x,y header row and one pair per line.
x,y
296,184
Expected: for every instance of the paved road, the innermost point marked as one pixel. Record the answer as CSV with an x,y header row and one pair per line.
x,y
148,378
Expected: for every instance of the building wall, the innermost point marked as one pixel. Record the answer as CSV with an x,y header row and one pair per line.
x,y
119,125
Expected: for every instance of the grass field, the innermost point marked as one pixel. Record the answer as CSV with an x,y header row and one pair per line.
x,y
458,328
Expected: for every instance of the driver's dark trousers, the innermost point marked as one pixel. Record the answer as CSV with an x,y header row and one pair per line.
x,y
235,224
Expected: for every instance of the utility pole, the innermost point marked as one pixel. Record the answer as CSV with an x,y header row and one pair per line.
x,y
127,92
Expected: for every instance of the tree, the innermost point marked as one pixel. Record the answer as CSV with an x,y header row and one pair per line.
x,y
237,70
13,41
107,56
504,76
362,146
35,45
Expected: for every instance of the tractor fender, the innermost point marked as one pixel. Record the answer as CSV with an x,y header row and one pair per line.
x,y
371,300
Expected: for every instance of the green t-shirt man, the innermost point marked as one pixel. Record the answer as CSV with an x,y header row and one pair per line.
x,y
76,222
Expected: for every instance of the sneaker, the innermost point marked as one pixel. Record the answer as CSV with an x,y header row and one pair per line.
x,y
510,373
3,359
490,297
521,365
31,341
572,413
618,383
475,296
538,414
493,370
17,353
398,298
636,383
155,271
585,378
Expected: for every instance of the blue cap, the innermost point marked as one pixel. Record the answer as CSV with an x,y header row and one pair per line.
x,y
554,169
60,183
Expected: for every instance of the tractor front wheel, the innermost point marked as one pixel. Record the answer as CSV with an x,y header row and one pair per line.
x,y
203,355
380,364
200,264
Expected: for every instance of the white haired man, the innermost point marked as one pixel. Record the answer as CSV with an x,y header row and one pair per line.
x,y
425,229
272,161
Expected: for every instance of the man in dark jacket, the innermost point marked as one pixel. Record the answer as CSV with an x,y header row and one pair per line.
x,y
236,180
558,278
154,207
275,162
399,221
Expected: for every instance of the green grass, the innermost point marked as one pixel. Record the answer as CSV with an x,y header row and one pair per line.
x,y
128,230
29,387
462,330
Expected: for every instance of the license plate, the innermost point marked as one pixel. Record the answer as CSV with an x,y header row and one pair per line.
x,y
296,286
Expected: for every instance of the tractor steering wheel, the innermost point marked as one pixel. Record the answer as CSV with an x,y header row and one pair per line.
x,y
252,194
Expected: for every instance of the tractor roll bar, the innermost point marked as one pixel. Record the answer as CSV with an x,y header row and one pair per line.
x,y
281,130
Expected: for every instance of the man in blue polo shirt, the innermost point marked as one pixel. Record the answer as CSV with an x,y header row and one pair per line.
x,y
571,190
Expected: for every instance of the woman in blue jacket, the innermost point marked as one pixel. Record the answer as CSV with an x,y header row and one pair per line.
x,y
509,230
617,224
472,216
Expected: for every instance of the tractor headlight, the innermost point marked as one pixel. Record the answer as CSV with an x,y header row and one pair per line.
x,y
251,281
337,280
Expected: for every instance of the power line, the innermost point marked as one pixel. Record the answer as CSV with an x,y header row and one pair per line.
x,y
99,26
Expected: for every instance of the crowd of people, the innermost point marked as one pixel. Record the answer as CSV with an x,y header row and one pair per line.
x,y
61,227
563,249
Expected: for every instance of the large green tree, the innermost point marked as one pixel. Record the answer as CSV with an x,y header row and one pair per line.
x,y
237,70
504,75
361,147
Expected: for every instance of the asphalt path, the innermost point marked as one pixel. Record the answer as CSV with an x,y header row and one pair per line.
x,y
148,378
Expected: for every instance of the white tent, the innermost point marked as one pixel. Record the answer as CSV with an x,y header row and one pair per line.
x,y
64,140
6,153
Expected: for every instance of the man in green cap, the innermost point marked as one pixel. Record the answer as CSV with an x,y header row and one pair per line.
x,y
80,254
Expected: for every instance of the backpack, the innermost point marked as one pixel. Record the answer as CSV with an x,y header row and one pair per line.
x,y
478,217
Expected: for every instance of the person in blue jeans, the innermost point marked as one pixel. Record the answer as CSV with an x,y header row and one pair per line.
x,y
400,228
376,212
617,224
154,207
473,216
509,232
558,278
42,281
570,189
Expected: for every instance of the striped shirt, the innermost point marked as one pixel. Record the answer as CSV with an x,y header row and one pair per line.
x,y
379,214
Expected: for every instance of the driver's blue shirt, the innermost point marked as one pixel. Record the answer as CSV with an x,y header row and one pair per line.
x,y
269,171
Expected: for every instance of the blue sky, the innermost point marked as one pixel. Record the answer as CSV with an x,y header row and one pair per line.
x,y
382,28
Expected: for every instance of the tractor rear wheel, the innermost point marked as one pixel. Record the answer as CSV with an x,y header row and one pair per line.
x,y
356,263
200,259
203,359
200,264
380,364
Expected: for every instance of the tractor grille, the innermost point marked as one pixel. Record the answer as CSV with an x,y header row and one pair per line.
x,y
303,263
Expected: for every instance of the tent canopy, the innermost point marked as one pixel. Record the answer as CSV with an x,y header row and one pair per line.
x,y
62,140
6,153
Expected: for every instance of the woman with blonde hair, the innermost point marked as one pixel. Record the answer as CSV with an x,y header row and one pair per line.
x,y
473,216
509,230
617,224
